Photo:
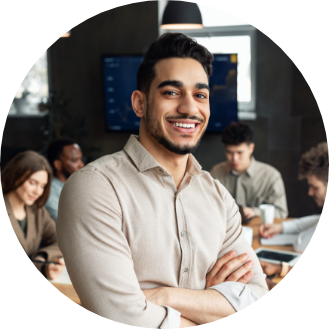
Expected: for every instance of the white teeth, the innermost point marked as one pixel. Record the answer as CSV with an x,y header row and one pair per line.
x,y
184,125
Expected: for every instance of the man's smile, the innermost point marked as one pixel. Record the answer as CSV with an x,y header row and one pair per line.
x,y
184,126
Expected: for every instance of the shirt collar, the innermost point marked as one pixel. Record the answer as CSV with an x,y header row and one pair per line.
x,y
252,169
144,160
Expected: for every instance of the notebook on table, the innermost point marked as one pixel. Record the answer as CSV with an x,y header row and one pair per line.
x,y
279,240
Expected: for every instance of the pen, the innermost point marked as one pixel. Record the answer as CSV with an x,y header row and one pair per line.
x,y
44,262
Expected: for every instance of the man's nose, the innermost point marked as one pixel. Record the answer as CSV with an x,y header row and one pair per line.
x,y
188,106
310,191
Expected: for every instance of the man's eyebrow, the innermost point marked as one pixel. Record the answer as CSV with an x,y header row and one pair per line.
x,y
179,84
173,83
201,86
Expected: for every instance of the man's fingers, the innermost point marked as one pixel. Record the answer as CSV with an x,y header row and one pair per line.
x,y
245,279
220,262
241,271
230,266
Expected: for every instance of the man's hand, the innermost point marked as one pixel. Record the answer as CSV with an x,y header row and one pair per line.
x,y
269,230
270,284
271,269
53,271
248,212
224,267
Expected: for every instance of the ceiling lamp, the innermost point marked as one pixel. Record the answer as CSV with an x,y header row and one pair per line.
x,y
66,35
181,15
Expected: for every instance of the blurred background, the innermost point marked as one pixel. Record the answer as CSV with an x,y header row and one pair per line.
x,y
65,94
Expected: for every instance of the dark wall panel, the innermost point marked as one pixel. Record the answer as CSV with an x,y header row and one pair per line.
x,y
288,119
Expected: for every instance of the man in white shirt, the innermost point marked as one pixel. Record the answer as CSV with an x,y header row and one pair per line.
x,y
145,233
314,167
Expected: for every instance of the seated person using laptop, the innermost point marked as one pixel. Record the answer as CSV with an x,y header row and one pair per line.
x,y
250,182
314,167
25,185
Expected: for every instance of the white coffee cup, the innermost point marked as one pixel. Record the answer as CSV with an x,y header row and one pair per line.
x,y
267,213
248,232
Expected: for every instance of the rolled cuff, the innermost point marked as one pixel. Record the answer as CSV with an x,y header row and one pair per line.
x,y
304,239
238,294
172,319
290,227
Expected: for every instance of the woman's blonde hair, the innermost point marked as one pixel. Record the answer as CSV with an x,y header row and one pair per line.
x,y
20,168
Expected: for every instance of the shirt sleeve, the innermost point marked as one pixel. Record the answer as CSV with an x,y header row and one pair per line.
x,y
300,224
277,197
52,207
257,211
238,294
304,239
48,243
98,257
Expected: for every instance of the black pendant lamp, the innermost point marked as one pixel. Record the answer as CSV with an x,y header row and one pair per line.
x,y
181,15
66,35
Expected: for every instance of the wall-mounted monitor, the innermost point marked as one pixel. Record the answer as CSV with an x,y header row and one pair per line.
x,y
119,81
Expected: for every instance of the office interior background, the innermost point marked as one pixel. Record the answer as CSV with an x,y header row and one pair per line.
x,y
281,110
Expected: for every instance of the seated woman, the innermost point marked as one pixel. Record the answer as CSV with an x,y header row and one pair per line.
x,y
25,185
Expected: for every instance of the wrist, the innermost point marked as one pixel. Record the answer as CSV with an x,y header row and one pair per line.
x,y
284,270
278,269
280,228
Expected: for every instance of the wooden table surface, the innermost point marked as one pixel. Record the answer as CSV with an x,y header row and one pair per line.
x,y
69,291
254,224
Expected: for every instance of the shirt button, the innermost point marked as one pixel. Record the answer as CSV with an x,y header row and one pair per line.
x,y
185,270
161,171
183,234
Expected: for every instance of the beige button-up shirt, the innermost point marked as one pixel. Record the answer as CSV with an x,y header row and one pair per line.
x,y
261,183
123,226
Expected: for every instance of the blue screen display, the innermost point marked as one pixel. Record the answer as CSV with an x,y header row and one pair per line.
x,y
119,76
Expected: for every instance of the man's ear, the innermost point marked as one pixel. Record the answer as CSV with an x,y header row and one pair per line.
x,y
252,147
138,102
58,165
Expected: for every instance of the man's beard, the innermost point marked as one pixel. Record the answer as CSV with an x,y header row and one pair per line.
x,y
154,129
66,173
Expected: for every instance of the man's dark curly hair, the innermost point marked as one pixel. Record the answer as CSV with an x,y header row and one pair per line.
x,y
56,148
237,133
315,162
170,45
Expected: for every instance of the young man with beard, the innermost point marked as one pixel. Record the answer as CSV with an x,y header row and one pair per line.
x,y
149,239
313,166
65,158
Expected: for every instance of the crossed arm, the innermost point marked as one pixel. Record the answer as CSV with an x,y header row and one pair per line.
x,y
204,306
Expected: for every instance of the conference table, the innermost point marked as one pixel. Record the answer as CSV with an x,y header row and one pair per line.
x,y
64,285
